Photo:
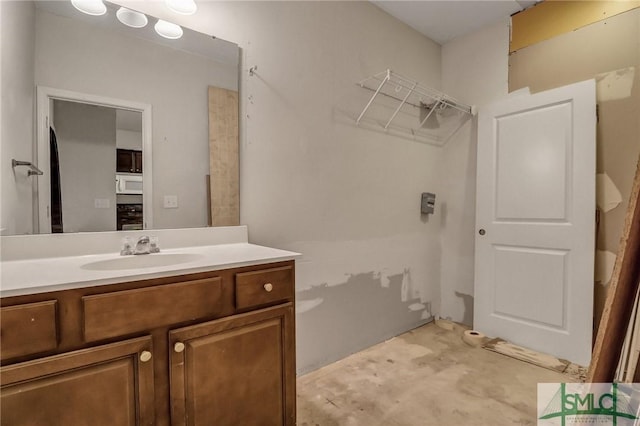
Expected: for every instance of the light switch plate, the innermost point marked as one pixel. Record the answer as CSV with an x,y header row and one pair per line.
x,y
170,201
428,202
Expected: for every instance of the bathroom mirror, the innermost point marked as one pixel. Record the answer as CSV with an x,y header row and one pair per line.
x,y
154,92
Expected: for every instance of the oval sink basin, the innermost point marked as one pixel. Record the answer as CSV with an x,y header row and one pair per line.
x,y
142,261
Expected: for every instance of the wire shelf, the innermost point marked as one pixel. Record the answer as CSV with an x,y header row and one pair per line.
x,y
404,107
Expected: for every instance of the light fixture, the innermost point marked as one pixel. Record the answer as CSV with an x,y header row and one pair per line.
x,y
168,30
183,7
131,18
90,7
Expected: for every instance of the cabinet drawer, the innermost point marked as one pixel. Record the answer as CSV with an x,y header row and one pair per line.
x,y
122,312
264,287
28,329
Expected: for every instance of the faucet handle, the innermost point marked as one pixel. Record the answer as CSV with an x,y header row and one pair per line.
x,y
127,246
154,247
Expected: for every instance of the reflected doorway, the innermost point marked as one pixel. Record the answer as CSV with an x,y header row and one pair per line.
x,y
98,177
94,152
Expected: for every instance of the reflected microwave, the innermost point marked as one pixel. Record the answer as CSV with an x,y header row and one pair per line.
x,y
128,184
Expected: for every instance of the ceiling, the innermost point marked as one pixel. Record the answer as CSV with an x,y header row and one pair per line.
x,y
444,20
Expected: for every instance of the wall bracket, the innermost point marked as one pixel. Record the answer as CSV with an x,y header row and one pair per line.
x,y
33,170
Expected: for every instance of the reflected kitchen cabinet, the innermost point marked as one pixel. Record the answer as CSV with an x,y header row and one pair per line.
x,y
128,161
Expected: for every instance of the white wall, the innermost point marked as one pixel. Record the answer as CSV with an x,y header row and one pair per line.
x,y
86,136
475,70
128,139
82,58
128,130
17,47
347,198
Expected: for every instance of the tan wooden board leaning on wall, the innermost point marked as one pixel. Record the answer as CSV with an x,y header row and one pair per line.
x,y
223,157
621,295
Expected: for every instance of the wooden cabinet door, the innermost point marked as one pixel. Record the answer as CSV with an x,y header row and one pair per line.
x,y
137,161
128,161
108,385
125,161
238,370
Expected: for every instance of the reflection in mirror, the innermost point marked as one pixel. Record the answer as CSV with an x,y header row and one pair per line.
x,y
49,47
103,190
96,148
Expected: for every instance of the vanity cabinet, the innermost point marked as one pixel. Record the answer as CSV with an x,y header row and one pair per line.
x,y
211,348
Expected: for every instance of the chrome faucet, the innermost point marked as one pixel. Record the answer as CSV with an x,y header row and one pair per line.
x,y
143,246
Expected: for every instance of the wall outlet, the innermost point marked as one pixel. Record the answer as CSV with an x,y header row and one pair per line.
x,y
170,201
101,203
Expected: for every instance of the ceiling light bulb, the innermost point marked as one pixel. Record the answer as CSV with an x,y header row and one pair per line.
x,y
168,30
90,7
131,18
183,7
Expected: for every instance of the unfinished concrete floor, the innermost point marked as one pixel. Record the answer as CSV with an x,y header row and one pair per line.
x,y
427,376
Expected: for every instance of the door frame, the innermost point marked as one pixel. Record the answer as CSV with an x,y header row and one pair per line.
x,y
44,105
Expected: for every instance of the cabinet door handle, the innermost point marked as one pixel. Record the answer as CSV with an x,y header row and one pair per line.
x,y
268,287
145,356
178,347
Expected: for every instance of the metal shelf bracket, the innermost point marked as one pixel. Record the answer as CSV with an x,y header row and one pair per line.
x,y
33,170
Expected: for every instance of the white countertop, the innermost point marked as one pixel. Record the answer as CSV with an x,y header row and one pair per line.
x,y
32,276
29,265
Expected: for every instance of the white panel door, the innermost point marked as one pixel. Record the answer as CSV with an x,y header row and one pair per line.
x,y
535,221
